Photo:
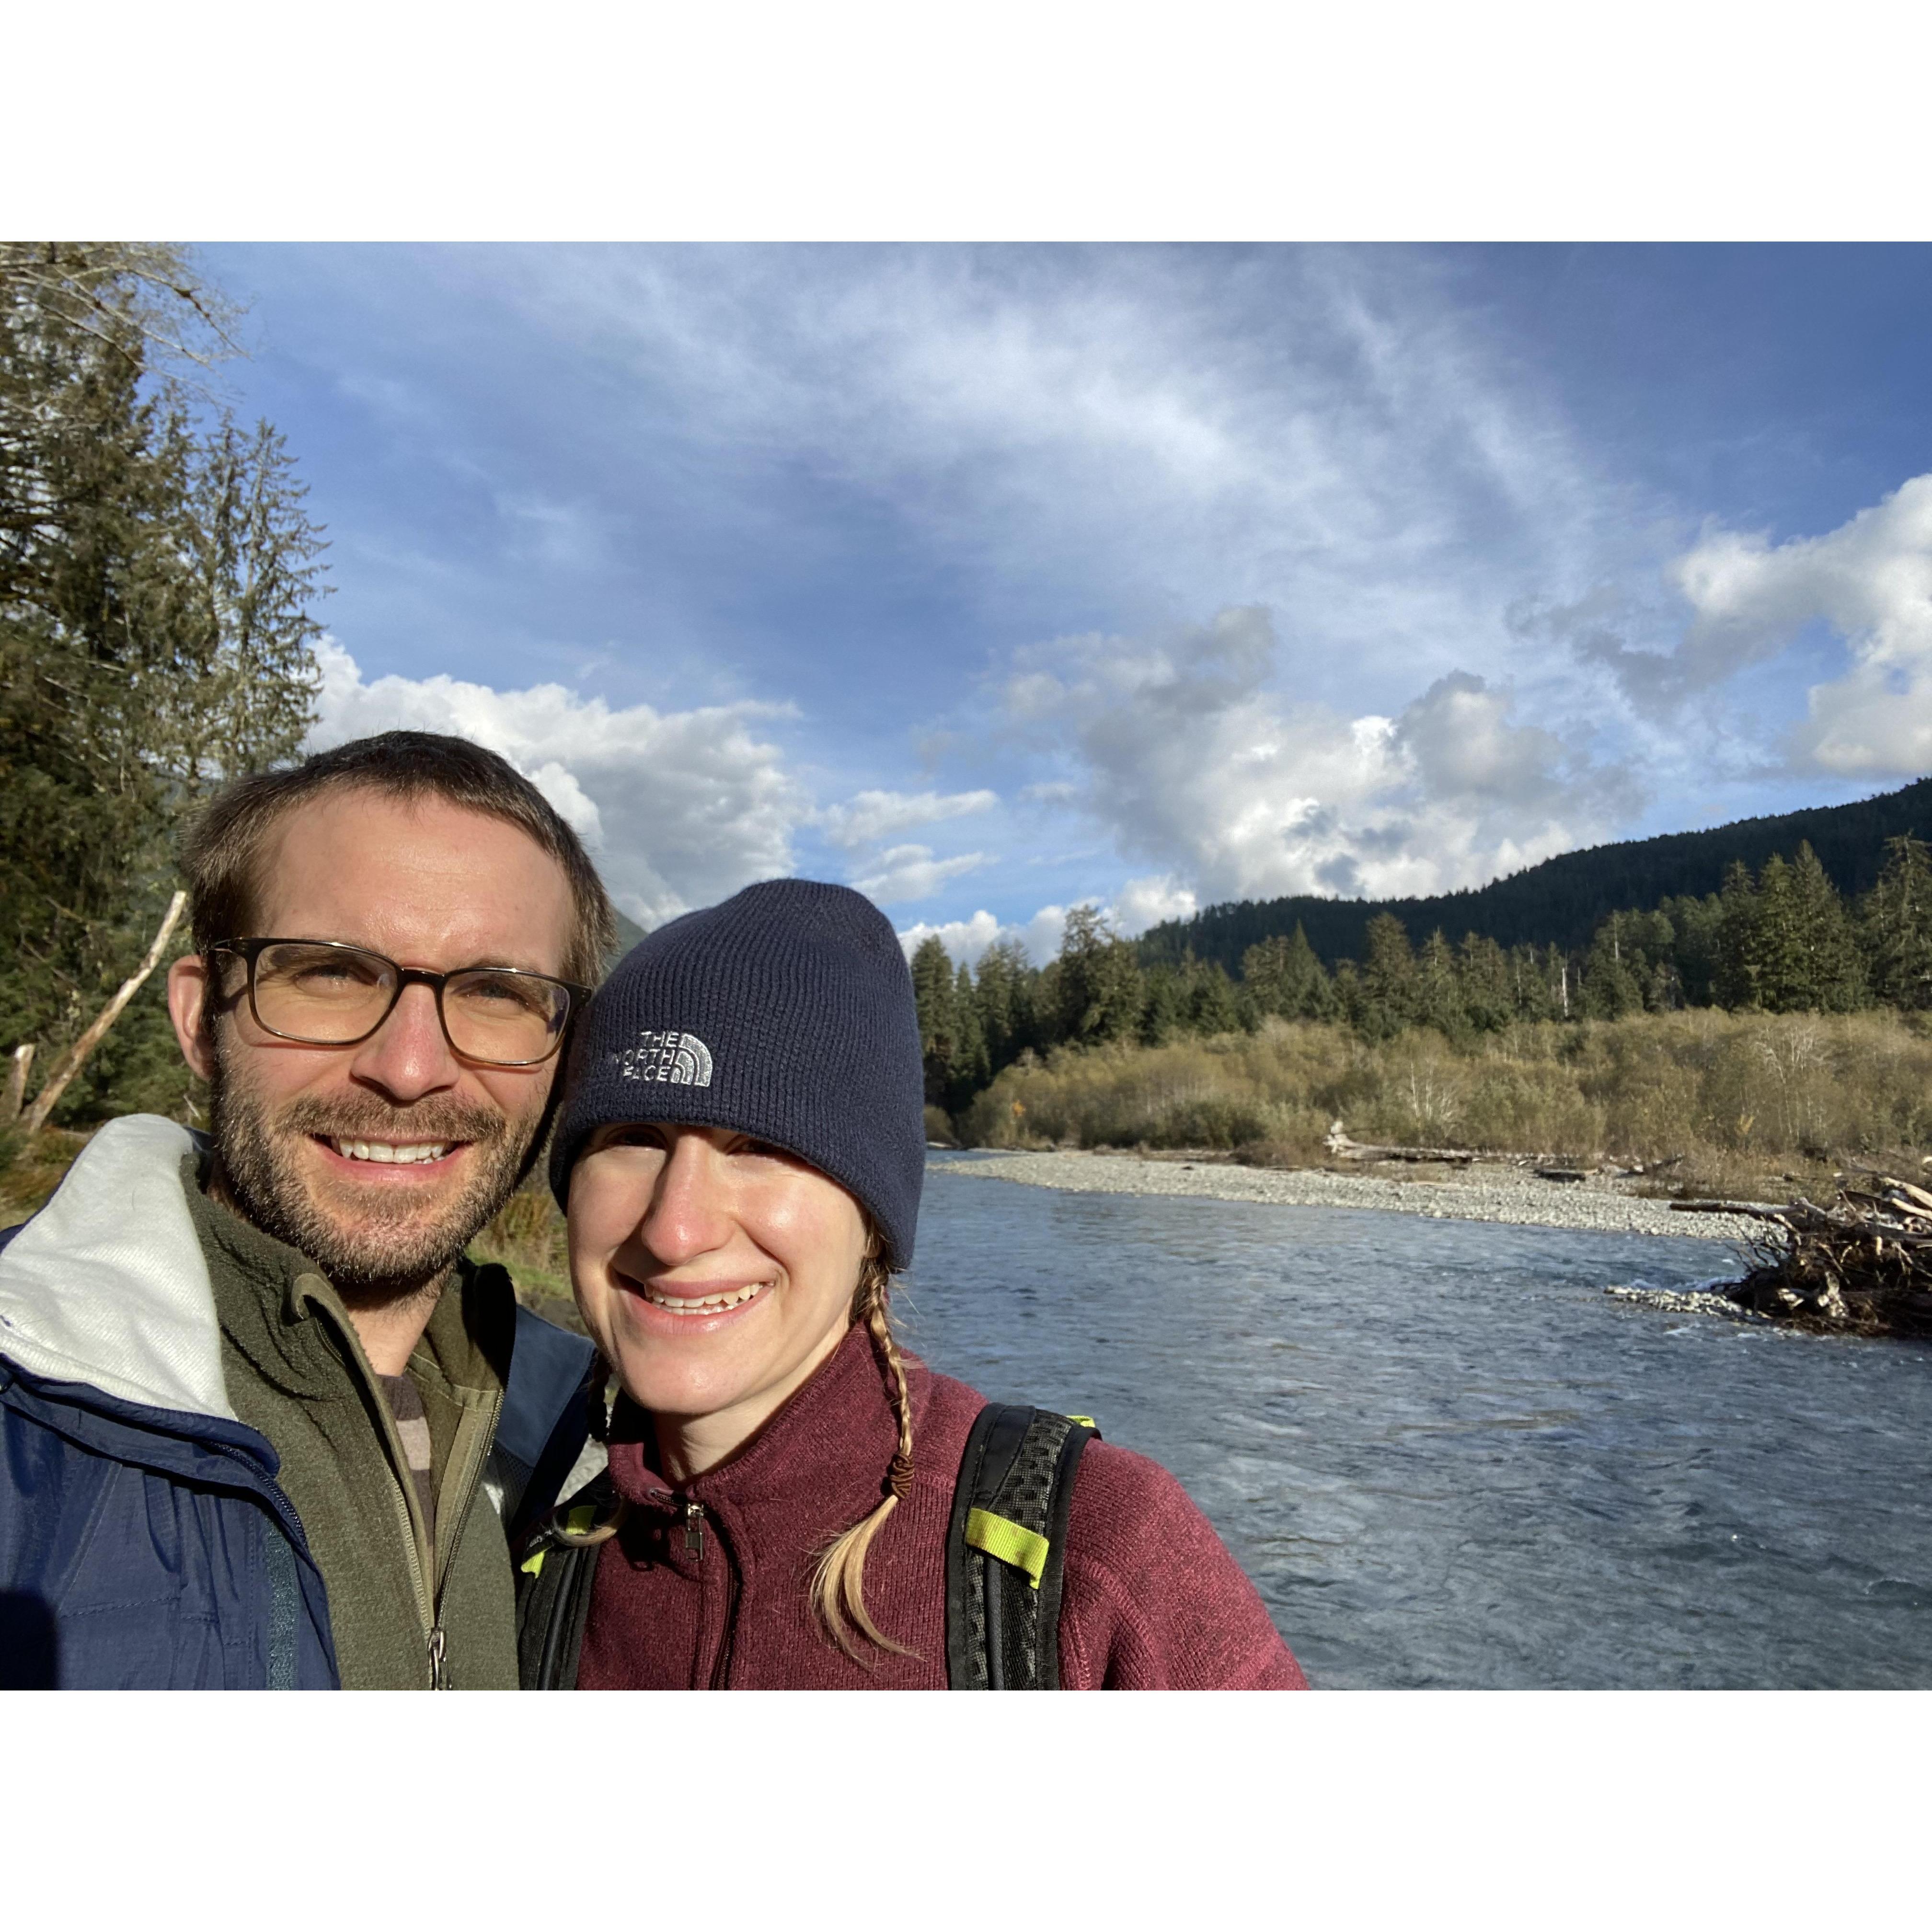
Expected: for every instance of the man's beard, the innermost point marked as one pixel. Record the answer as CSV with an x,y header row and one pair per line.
x,y
384,1249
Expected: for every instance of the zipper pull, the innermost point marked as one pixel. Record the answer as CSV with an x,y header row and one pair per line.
x,y
439,1678
693,1532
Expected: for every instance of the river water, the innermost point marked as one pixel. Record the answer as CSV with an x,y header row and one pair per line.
x,y
1445,1456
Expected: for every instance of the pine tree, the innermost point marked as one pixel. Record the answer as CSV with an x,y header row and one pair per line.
x,y
971,1069
1387,994
1802,956
1736,965
1610,988
1830,969
1695,924
1211,1007
1003,996
1439,991
1164,1014
1285,977
1897,926
1532,993
934,992
1099,989
1482,981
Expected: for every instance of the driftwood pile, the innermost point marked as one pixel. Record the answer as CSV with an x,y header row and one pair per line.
x,y
1861,1265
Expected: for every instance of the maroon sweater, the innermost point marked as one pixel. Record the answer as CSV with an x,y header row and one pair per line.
x,y
707,1585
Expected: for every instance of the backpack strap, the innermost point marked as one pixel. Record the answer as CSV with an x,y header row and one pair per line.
x,y
545,1417
553,1581
1005,1548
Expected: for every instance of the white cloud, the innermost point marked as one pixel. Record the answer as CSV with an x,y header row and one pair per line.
x,y
967,939
911,872
681,808
1870,581
1189,760
870,816
1142,903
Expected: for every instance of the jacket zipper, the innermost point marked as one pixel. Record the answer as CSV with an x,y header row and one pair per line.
x,y
439,1673
693,1548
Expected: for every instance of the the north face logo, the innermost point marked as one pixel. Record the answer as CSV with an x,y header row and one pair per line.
x,y
681,1058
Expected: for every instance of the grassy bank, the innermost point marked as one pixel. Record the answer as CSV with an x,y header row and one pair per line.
x,y
1716,1102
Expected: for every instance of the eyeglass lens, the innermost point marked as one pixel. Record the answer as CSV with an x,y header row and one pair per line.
x,y
331,995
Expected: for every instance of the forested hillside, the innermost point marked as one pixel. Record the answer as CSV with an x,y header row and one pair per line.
x,y
1562,901
1783,940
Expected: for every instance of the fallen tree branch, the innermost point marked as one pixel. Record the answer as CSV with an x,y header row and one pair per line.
x,y
1339,1144
75,1057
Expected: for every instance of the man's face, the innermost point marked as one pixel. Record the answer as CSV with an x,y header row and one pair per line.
x,y
309,1135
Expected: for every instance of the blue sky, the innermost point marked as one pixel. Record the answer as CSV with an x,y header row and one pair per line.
x,y
992,580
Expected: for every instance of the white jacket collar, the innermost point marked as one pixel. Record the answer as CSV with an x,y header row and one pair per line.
x,y
108,1285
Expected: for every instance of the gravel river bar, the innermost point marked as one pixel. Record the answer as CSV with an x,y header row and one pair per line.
x,y
1601,1204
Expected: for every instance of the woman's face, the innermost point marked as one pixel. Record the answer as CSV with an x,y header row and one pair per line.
x,y
715,1272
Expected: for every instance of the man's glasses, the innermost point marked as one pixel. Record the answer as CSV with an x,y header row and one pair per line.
x,y
323,993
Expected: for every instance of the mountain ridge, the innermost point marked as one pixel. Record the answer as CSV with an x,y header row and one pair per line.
x,y
1561,900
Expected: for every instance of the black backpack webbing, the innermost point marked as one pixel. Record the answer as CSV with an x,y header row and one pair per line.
x,y
1005,1548
553,1583
1006,1554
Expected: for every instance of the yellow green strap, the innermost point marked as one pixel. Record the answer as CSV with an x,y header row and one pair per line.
x,y
577,1521
1085,1421
1009,1541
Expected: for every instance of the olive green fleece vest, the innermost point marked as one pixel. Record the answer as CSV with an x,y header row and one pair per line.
x,y
295,1371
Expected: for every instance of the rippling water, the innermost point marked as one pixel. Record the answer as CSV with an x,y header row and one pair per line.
x,y
1445,1456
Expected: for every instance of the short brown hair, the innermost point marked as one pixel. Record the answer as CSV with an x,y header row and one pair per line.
x,y
221,854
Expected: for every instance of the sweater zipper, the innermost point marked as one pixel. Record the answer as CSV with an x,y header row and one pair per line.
x,y
693,1548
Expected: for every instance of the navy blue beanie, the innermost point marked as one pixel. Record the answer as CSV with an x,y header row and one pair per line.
x,y
786,1013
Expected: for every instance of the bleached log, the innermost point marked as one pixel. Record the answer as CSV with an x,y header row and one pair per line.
x,y
75,1057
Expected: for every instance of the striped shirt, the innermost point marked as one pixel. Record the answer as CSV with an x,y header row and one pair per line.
x,y
405,1405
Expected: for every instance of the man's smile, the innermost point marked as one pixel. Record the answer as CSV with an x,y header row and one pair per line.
x,y
396,1153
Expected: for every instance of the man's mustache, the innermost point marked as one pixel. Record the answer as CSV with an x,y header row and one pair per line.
x,y
369,1119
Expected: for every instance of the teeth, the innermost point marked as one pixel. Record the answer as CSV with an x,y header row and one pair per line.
x,y
706,1304
408,1156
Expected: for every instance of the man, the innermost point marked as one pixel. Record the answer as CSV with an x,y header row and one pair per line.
x,y
262,1422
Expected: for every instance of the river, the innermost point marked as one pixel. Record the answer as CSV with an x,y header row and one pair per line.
x,y
1445,1456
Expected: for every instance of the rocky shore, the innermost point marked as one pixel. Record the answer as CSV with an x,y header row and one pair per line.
x,y
1602,1204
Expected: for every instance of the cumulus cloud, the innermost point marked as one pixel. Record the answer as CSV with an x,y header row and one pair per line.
x,y
967,939
1185,751
681,808
1749,601
911,872
1144,902
872,816
1870,581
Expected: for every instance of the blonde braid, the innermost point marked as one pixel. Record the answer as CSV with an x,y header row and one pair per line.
x,y
839,1582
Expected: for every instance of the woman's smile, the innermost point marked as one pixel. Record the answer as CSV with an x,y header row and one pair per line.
x,y
687,1299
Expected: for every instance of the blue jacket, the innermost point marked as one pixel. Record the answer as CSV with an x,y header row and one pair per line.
x,y
144,1543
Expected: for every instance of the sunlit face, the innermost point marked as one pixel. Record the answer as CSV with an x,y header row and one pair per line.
x,y
380,1161
715,1272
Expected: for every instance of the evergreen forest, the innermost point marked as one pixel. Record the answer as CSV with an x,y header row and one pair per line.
x,y
1780,939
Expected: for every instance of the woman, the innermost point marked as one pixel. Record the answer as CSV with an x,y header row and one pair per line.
x,y
740,1153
